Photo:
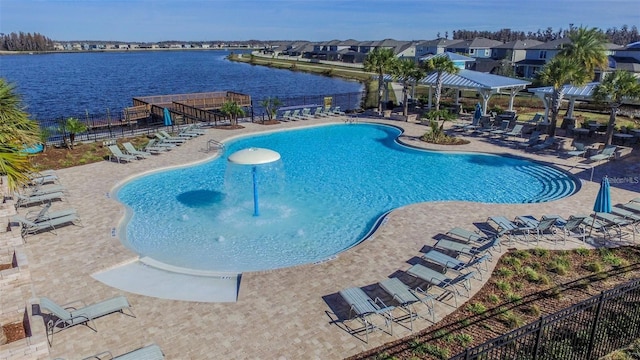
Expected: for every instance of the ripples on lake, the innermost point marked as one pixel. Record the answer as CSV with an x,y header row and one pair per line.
x,y
68,84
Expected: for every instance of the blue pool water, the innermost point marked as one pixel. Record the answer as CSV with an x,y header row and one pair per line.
x,y
325,195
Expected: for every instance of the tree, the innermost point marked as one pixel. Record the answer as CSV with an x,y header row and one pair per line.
x,y
380,61
73,126
615,87
232,110
575,65
271,106
407,72
558,72
440,64
16,132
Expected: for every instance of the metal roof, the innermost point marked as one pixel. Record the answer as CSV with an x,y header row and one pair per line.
x,y
570,91
469,79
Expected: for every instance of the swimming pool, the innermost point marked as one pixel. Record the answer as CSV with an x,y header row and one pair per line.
x,y
332,186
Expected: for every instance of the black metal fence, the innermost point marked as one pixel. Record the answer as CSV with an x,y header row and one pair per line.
x,y
587,330
113,124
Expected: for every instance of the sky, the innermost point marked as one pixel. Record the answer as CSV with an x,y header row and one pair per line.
x,y
313,20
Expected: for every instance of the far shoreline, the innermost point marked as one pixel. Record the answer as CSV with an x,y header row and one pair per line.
x,y
5,52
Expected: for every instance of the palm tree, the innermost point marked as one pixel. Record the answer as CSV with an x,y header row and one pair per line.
x,y
232,110
73,126
616,86
380,61
587,46
16,132
558,72
271,106
407,72
575,65
440,64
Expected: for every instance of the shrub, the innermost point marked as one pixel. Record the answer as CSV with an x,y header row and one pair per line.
x,y
464,339
477,308
595,267
511,319
513,297
533,310
613,260
521,254
493,298
531,275
503,285
559,266
504,272
582,251
540,252
513,261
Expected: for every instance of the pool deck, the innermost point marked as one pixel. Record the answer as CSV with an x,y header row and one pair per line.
x,y
279,314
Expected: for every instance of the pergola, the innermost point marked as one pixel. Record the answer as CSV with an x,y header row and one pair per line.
x,y
571,93
485,84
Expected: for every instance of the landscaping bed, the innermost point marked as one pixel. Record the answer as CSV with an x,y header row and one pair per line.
x,y
525,285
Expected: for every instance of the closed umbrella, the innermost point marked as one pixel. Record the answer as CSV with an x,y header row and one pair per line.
x,y
478,113
603,200
167,117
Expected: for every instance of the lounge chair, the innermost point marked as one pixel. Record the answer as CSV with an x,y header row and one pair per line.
x,y
131,150
607,153
149,352
618,210
407,298
539,228
618,222
286,115
516,131
119,155
507,227
440,280
573,227
547,143
535,119
306,114
24,200
166,136
295,115
336,111
66,316
600,225
42,190
467,235
320,112
194,129
155,148
475,123
503,129
35,179
579,150
449,262
534,138
29,227
165,140
44,214
633,206
469,249
364,308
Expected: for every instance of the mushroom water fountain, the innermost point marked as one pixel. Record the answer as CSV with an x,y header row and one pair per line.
x,y
254,157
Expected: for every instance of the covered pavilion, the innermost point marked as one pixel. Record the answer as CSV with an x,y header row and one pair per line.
x,y
485,84
571,93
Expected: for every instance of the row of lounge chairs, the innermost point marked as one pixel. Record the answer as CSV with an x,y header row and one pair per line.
x,y
61,317
162,142
306,114
44,189
462,255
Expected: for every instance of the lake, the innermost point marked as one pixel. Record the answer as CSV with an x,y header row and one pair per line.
x,y
71,84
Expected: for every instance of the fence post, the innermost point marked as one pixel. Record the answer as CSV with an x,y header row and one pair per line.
x,y
536,346
466,353
595,325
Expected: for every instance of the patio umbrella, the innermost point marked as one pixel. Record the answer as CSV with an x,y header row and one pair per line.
x,y
478,113
603,200
167,117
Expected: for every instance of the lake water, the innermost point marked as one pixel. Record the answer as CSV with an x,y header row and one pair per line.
x,y
69,84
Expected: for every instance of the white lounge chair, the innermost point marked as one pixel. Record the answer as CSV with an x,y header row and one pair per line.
x,y
450,285
29,227
131,150
407,298
24,200
149,352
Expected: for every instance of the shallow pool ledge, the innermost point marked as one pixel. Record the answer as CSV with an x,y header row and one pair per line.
x,y
149,277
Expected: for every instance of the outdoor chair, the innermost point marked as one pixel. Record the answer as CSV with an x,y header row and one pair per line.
x,y
534,138
29,227
632,206
618,210
535,119
516,131
66,316
573,227
119,155
193,129
539,228
617,222
449,262
285,115
320,112
407,298
131,150
155,148
24,200
295,115
504,128
336,111
42,190
149,352
306,114
167,137
579,150
607,153
507,227
165,140
365,308
467,235
435,278
44,214
469,249
547,143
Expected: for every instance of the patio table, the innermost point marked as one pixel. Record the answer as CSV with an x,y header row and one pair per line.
x,y
625,139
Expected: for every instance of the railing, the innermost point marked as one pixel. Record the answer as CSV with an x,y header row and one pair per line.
x,y
587,330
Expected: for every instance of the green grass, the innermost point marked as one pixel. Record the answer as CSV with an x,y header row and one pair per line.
x,y
504,272
503,285
477,308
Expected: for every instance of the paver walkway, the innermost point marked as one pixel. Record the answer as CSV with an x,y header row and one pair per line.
x,y
281,314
